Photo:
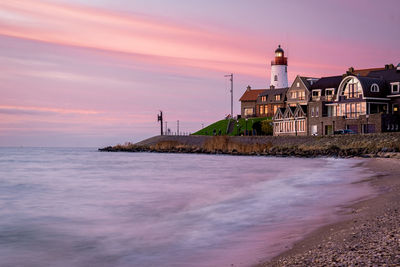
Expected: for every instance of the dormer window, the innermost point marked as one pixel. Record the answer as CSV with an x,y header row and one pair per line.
x,y
375,88
263,98
316,94
395,88
277,97
329,94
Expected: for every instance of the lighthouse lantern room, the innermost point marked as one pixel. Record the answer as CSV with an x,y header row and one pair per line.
x,y
279,77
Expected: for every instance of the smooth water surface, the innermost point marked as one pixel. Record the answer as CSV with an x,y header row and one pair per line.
x,y
79,207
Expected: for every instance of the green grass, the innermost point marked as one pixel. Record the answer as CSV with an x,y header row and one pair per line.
x,y
219,125
223,124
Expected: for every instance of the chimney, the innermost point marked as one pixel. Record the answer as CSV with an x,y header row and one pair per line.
x,y
248,87
386,67
351,69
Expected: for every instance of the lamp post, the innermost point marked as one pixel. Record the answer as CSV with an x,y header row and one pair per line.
x,y
246,127
231,80
366,127
160,119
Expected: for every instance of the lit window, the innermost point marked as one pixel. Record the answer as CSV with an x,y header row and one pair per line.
x,y
276,78
278,54
329,94
277,97
395,108
374,88
297,84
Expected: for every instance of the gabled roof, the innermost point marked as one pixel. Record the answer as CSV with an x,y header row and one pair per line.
x,y
306,81
271,93
302,109
289,112
251,95
279,114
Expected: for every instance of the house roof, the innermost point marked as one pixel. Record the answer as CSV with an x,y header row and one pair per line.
x,y
390,75
367,82
365,72
306,81
271,93
251,94
327,82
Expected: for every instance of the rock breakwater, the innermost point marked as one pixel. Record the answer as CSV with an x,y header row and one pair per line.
x,y
385,145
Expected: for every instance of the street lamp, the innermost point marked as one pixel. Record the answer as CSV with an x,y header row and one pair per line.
x,y
246,127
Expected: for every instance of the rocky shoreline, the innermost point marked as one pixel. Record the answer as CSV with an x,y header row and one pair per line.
x,y
371,237
385,145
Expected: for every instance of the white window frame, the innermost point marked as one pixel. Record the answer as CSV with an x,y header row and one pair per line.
x,y
398,87
316,97
375,88
329,90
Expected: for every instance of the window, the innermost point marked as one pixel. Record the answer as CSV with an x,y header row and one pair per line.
x,y
374,88
293,95
317,112
276,78
316,94
264,98
302,95
395,87
266,109
261,109
277,97
248,112
329,94
312,112
395,108
297,84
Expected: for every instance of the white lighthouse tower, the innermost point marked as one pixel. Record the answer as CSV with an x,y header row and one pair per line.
x,y
279,77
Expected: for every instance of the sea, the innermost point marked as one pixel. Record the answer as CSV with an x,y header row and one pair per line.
x,y
80,207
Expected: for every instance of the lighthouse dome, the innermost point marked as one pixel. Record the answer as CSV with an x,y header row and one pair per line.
x,y
279,51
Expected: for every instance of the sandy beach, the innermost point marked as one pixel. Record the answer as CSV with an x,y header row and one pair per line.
x,y
368,235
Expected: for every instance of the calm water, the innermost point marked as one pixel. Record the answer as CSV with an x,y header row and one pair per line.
x,y
80,207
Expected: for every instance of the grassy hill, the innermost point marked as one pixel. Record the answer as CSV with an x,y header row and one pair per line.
x,y
222,126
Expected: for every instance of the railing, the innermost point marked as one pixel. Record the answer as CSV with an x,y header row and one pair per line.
x,y
279,61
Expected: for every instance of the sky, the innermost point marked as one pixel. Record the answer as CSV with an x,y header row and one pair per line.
x,y
84,73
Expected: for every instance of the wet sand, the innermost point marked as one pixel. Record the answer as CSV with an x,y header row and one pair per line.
x,y
368,235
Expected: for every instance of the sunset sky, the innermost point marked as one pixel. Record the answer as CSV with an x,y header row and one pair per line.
x,y
96,73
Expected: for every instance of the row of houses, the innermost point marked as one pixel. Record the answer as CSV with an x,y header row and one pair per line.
x,y
363,101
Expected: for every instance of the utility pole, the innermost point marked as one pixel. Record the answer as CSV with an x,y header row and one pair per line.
x,y
231,79
160,119
177,127
166,128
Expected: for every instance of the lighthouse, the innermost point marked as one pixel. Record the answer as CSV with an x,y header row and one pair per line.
x,y
279,77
